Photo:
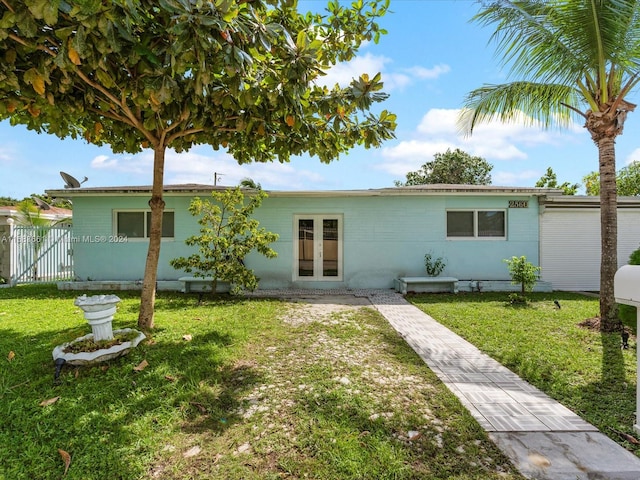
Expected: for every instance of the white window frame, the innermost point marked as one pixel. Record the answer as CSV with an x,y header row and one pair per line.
x,y
318,277
146,212
475,223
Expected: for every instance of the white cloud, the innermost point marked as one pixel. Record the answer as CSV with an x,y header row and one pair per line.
x,y
410,155
632,157
429,73
515,178
104,161
8,151
5,156
343,73
395,81
494,141
199,166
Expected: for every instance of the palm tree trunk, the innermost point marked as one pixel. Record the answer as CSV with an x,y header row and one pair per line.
x,y
148,296
608,232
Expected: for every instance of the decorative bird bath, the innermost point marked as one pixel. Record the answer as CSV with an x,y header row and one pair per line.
x,y
98,311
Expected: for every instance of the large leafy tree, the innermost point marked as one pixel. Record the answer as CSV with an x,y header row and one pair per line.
x,y
550,180
8,201
627,181
574,58
451,167
161,74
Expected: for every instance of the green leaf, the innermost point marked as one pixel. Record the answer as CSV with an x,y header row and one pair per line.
x,y
44,9
10,56
104,78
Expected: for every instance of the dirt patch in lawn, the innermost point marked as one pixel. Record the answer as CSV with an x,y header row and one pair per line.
x,y
334,394
313,308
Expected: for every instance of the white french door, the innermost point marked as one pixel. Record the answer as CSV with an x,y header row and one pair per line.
x,y
318,249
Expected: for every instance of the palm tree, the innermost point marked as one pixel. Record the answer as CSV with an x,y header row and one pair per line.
x,y
576,58
250,183
28,215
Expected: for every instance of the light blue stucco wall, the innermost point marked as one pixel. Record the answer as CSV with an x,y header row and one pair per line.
x,y
97,256
384,237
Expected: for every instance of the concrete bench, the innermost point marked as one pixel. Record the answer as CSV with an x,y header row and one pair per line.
x,y
202,282
403,283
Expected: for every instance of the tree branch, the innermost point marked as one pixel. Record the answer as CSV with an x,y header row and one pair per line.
x,y
183,133
183,117
133,120
6,4
113,116
23,42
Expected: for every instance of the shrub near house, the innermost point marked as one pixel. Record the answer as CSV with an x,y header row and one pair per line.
x,y
227,236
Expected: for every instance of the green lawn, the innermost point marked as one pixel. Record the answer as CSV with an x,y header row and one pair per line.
x,y
583,369
233,390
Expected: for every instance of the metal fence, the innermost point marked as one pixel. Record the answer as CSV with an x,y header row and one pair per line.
x,y
41,254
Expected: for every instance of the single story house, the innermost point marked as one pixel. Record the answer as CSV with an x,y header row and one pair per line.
x,y
327,239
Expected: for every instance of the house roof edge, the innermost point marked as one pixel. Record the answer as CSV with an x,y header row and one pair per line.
x,y
434,189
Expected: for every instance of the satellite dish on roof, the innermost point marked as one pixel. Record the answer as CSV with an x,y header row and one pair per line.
x,y
42,205
71,182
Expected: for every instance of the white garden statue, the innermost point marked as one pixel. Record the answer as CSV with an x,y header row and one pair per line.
x,y
99,311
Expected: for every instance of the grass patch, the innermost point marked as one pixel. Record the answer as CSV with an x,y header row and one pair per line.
x,y
234,389
583,369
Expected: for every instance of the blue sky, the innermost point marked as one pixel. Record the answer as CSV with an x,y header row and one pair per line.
x,y
430,59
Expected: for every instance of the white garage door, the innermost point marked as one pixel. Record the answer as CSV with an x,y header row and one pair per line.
x,y
570,245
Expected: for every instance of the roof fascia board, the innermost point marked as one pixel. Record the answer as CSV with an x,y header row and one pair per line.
x,y
585,202
403,191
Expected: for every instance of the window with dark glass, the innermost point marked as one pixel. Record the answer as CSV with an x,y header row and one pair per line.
x,y
130,224
476,224
460,224
491,224
137,224
167,224
305,248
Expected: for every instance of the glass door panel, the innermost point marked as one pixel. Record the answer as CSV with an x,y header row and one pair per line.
x,y
330,247
306,247
318,252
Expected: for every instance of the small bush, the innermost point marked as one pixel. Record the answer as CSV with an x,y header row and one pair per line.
x,y
522,273
518,300
433,266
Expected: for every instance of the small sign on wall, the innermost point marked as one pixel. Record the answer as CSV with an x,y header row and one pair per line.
x,y
518,203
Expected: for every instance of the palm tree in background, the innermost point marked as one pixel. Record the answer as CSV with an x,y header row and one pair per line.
x,y
250,183
28,215
576,59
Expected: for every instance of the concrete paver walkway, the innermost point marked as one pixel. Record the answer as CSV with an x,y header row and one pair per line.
x,y
544,440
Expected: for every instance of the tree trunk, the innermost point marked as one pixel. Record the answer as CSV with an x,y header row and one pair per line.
x,y
148,296
608,232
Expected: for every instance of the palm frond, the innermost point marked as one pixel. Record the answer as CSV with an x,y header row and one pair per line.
x,y
560,41
29,215
542,104
527,40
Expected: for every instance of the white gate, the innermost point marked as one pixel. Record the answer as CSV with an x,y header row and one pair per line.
x,y
41,254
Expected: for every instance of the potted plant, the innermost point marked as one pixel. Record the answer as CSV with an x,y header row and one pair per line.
x,y
433,266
